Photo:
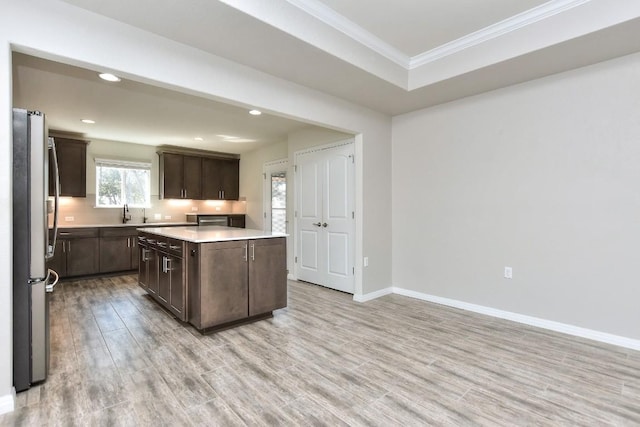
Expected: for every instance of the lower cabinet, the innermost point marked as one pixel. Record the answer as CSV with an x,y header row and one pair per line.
x,y
161,272
118,249
267,275
76,253
232,281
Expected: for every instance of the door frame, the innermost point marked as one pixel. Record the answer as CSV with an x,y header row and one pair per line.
x,y
357,203
281,165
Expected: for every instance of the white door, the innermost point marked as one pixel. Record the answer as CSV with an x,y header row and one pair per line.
x,y
325,217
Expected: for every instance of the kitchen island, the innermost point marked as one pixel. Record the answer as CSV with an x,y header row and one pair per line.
x,y
214,277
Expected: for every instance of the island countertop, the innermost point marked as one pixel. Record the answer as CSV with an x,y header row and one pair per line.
x,y
210,233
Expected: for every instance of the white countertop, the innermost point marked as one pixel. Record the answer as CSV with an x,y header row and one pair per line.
x,y
211,233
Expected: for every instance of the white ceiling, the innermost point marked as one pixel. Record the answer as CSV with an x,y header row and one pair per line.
x,y
132,112
393,57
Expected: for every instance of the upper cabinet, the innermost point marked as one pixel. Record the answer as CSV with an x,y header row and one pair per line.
x,y
220,179
72,167
180,176
191,176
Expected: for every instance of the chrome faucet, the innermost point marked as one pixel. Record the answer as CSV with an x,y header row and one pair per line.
x,y
126,216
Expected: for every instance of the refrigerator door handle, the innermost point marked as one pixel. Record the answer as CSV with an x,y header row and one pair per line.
x,y
52,248
49,287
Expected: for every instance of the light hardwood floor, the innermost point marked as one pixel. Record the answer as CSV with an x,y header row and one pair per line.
x,y
118,359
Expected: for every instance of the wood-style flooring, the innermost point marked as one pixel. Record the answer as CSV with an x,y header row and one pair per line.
x,y
118,359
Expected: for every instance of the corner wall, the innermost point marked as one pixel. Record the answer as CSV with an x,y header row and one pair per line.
x,y
543,177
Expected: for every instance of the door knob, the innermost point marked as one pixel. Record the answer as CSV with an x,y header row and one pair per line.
x,y
324,224
317,224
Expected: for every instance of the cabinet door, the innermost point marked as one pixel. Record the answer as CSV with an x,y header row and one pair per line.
x,y
164,278
135,256
230,179
171,176
58,262
153,270
192,167
267,275
177,287
223,283
115,254
211,185
143,267
237,221
72,167
82,256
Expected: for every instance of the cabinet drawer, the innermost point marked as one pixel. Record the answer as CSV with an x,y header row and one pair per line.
x,y
175,247
118,232
77,233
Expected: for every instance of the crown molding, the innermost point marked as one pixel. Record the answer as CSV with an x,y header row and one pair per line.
x,y
531,16
330,17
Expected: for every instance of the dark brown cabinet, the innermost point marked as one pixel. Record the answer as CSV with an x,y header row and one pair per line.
x,y
267,274
237,280
72,167
237,221
161,272
220,179
118,249
218,283
180,176
76,253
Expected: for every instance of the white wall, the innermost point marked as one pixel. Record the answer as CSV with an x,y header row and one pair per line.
x,y
543,177
58,31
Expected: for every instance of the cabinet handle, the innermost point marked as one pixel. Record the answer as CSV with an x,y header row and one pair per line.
x,y
223,194
64,247
168,265
246,252
162,244
151,241
69,243
174,247
253,252
185,193
128,242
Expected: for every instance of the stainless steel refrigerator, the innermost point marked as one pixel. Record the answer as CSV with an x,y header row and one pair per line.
x,y
32,280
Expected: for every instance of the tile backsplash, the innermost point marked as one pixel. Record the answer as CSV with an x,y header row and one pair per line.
x,y
75,211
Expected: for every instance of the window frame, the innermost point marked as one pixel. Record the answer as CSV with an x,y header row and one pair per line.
x,y
122,164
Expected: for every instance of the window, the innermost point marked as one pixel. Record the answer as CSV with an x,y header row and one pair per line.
x,y
279,202
121,182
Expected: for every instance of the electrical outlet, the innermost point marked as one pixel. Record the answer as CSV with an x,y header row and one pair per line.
x,y
194,208
157,216
167,217
508,273
69,218
218,208
366,261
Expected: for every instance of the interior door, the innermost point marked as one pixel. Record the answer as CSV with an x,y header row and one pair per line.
x,y
325,200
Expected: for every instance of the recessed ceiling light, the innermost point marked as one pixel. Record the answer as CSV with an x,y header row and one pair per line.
x,y
109,77
197,138
255,112
88,121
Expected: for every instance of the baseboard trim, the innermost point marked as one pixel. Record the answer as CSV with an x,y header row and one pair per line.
x,y
372,295
8,402
527,320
